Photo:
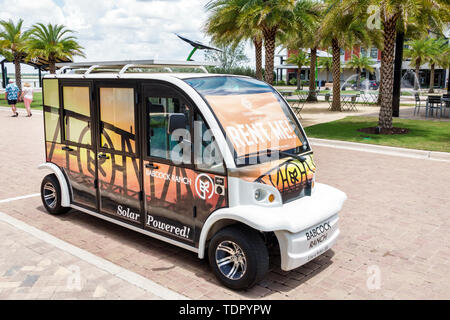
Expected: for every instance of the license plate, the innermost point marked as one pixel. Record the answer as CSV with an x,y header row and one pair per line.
x,y
318,234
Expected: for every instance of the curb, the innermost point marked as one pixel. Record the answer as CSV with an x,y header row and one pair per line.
x,y
391,151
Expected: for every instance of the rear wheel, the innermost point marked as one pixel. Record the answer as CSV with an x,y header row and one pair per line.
x,y
238,257
51,195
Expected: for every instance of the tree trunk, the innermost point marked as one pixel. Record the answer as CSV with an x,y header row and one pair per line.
x,y
416,80
358,79
312,96
336,105
18,71
299,79
385,118
432,79
269,46
258,55
52,67
381,79
328,75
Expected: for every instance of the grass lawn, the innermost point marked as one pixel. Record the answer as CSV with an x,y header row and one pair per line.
x,y
423,135
35,105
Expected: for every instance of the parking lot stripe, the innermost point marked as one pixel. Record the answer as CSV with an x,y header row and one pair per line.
x,y
122,273
20,198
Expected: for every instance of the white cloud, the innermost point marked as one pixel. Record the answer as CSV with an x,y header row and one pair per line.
x,y
120,29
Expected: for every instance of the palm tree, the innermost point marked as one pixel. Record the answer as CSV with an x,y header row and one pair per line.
x,y
300,59
303,34
341,28
438,51
272,17
226,26
13,41
418,50
360,63
325,63
397,15
53,42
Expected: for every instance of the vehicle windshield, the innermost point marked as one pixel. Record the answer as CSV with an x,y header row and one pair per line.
x,y
256,121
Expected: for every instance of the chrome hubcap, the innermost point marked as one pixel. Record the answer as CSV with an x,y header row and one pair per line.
x,y
231,260
50,195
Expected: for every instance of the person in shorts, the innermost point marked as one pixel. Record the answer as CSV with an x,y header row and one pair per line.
x,y
12,95
27,96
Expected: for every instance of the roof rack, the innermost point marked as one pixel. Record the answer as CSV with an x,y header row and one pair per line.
x,y
121,67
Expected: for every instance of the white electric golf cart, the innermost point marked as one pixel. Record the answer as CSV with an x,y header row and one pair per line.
x,y
215,164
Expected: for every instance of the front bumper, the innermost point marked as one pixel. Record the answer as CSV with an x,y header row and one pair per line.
x,y
297,249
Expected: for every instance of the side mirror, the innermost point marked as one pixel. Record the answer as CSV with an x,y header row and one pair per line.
x,y
176,121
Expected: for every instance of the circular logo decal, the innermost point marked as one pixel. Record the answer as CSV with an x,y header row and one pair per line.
x,y
204,186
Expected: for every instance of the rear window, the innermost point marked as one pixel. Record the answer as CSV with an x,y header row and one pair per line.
x,y
254,117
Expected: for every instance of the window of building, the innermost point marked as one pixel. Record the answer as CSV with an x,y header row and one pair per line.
x,y
374,53
363,52
117,119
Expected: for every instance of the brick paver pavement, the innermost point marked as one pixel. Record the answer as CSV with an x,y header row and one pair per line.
x,y
394,243
33,269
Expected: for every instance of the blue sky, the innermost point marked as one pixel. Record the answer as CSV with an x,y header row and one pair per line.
x,y
119,29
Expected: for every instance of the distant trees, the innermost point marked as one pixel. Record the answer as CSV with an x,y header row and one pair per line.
x,y
50,42
360,63
13,43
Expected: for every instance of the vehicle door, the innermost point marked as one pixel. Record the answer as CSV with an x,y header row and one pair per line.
x,y
77,146
119,177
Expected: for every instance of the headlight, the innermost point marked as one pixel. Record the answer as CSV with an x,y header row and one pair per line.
x,y
263,195
259,194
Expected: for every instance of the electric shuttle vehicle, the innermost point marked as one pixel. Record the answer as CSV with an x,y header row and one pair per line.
x,y
215,164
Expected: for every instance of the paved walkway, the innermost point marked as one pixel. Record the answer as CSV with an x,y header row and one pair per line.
x,y
394,243
33,269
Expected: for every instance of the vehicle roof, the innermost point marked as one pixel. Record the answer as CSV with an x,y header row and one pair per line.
x,y
136,75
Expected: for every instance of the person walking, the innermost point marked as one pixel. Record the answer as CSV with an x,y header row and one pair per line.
x,y
27,97
12,95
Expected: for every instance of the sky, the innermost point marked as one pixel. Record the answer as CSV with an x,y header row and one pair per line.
x,y
120,29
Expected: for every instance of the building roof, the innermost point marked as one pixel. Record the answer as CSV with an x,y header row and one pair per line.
x,y
39,62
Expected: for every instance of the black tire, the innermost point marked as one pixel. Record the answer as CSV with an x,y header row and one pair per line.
x,y
253,249
50,186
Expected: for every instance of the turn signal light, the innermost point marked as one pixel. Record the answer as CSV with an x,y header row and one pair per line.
x,y
271,198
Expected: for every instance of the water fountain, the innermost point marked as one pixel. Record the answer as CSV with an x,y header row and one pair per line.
x,y
409,83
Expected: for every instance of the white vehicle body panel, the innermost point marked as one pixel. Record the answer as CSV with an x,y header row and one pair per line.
x,y
293,217
65,193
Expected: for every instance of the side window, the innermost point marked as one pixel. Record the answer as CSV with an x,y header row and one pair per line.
x,y
117,120
207,155
51,111
161,143
77,115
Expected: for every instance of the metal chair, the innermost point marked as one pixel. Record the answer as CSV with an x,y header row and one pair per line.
x,y
418,103
434,103
446,103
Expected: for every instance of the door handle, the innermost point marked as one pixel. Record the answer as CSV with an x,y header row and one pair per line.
x,y
67,149
103,156
151,166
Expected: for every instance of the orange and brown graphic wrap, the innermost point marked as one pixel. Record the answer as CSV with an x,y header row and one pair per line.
x,y
255,122
291,177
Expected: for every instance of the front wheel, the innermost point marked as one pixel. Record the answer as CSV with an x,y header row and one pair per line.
x,y
238,257
51,195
